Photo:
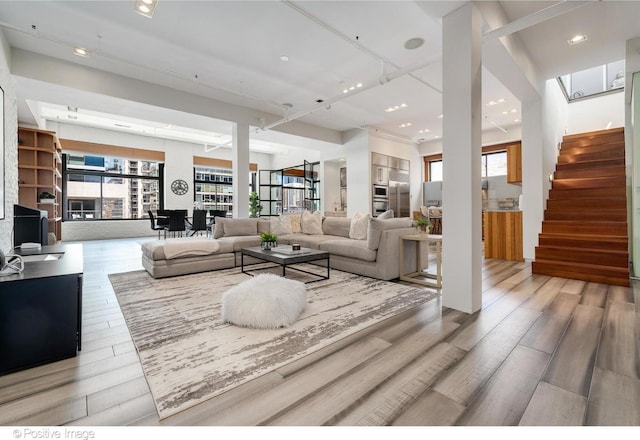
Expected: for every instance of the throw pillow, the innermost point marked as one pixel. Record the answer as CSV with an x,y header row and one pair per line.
x,y
295,220
312,223
280,225
359,225
288,222
385,215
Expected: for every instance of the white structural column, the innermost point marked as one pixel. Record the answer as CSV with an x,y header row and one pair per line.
x,y
461,159
533,177
240,170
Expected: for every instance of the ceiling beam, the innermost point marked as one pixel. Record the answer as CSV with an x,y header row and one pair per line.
x,y
533,19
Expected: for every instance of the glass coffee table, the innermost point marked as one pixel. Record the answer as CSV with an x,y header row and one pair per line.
x,y
286,257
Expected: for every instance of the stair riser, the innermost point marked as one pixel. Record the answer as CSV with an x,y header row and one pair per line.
x,y
597,164
586,217
616,203
613,259
611,245
578,228
586,193
593,148
612,133
604,182
590,173
554,270
576,158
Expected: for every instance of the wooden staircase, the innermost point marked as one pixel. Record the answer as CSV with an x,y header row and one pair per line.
x,y
584,232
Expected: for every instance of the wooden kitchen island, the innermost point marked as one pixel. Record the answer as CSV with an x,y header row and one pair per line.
x,y
503,235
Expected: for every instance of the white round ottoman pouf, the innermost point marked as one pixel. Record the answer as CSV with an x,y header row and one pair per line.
x,y
265,301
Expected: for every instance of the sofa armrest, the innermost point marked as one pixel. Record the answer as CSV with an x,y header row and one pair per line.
x,y
388,258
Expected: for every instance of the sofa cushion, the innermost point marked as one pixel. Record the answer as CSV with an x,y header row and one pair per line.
x,y
386,215
308,240
240,226
338,226
349,248
154,250
376,226
312,223
359,225
240,241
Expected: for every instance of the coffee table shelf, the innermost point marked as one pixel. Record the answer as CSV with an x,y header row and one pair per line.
x,y
285,260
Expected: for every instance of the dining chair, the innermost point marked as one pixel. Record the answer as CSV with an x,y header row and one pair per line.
x,y
162,217
155,226
177,221
199,222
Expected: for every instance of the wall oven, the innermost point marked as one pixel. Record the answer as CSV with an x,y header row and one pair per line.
x,y
380,192
379,206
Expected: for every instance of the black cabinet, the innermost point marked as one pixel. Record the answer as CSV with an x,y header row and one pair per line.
x,y
40,310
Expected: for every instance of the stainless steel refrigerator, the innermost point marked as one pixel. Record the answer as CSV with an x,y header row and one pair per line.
x,y
399,197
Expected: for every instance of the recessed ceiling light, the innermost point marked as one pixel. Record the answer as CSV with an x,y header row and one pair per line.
x,y
80,51
577,39
284,58
440,116
408,124
351,88
413,43
145,7
492,103
394,108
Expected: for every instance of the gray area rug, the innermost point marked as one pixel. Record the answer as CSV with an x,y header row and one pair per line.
x,y
189,355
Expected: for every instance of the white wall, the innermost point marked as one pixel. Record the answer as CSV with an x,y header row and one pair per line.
x,y
356,151
596,113
331,185
555,114
10,184
634,118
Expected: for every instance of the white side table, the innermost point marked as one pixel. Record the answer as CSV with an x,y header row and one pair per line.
x,y
418,276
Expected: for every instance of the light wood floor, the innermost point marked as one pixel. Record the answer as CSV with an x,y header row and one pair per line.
x,y
542,351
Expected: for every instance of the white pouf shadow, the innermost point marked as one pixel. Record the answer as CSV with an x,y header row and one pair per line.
x,y
265,301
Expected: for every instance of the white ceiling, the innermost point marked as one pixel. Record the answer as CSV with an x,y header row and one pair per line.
x,y
231,51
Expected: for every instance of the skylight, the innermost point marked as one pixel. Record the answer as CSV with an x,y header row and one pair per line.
x,y
594,81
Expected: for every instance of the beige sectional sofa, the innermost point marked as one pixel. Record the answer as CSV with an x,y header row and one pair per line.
x,y
374,253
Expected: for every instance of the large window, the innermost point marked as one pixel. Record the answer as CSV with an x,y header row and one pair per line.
x,y
100,187
214,188
494,163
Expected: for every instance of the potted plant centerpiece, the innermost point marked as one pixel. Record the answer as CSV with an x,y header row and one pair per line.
x,y
422,224
268,240
47,197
